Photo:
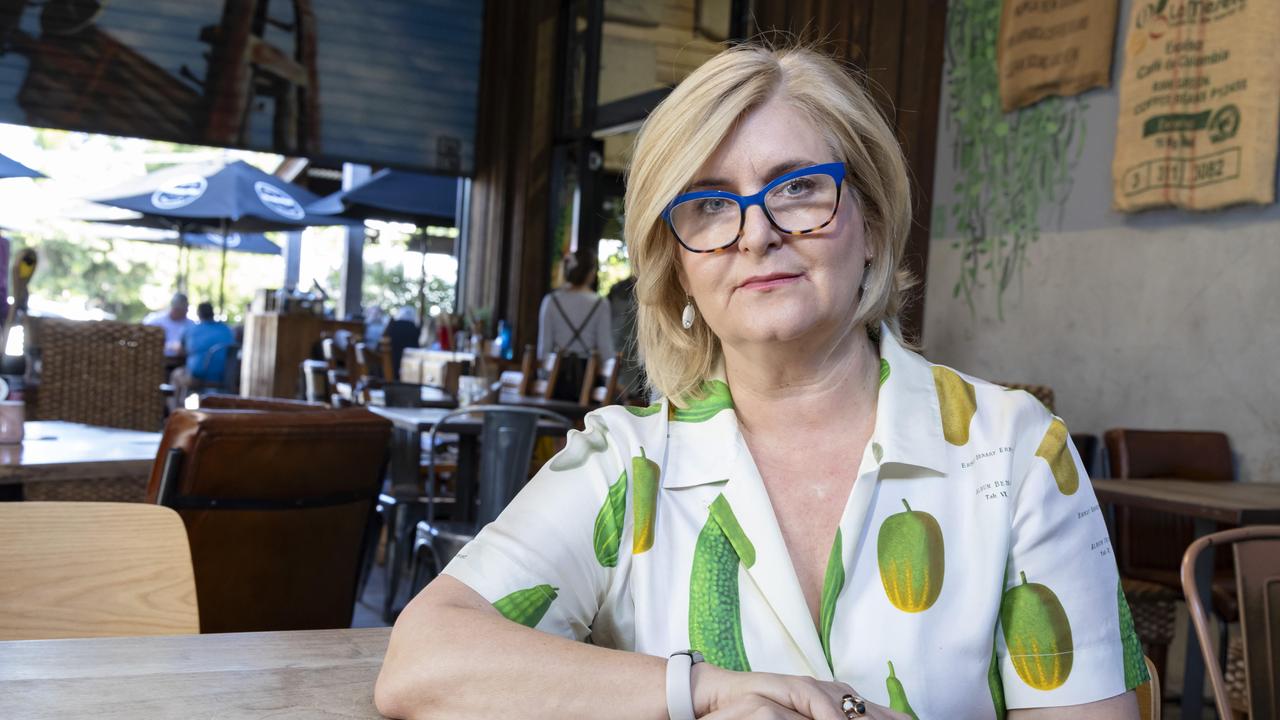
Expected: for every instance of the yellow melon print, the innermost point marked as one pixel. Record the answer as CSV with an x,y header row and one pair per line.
x,y
1053,449
958,403
1037,634
909,551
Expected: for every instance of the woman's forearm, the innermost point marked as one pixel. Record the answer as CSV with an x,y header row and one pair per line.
x,y
453,656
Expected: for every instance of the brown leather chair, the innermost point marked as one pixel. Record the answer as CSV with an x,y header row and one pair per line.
x,y
235,402
276,506
1150,544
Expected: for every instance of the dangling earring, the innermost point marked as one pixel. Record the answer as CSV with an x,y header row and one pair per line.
x,y
866,275
686,318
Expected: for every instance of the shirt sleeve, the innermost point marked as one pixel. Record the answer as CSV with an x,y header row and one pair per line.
x,y
548,560
1065,633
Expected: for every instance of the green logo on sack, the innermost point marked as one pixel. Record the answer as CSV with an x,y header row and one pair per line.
x,y
1225,123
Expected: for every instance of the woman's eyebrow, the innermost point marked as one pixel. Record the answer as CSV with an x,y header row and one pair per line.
x,y
777,169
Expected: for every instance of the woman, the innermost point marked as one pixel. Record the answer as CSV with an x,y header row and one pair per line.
x,y
574,321
851,531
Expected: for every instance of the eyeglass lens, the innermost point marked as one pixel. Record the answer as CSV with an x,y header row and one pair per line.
x,y
797,205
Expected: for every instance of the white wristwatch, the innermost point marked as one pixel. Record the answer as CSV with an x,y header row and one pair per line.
x,y
679,688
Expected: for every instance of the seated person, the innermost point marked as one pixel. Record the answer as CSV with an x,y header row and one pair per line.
x,y
174,321
207,344
839,527
403,333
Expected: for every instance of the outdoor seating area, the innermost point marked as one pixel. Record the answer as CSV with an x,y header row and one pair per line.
x,y
879,359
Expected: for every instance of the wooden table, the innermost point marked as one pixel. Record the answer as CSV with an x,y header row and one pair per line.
x,y
428,397
570,410
299,674
53,450
1207,504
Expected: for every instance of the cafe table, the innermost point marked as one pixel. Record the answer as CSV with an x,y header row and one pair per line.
x,y
1207,504
52,451
279,675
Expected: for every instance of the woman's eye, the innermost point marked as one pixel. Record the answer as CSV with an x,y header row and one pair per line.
x,y
798,186
712,205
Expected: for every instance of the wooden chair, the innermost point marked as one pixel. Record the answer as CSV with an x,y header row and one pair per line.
x,y
533,386
315,381
1043,393
1149,694
89,569
340,370
1257,569
1149,568
600,385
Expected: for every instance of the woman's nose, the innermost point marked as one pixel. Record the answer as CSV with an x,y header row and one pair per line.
x,y
758,234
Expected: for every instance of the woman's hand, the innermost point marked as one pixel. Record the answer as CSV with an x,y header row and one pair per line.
x,y
720,694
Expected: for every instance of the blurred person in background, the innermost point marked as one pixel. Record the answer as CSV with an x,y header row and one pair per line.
x,y
207,345
175,323
401,333
573,322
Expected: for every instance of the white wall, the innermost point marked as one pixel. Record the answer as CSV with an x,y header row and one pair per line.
x,y
1162,320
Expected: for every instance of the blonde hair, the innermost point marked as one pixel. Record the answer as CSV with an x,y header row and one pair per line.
x,y
688,126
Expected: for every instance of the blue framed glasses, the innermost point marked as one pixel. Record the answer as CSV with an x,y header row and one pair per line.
x,y
796,203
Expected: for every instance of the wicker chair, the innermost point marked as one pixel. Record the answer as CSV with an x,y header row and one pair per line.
x,y
97,373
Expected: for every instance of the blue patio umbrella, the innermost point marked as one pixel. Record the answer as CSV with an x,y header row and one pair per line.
x,y
255,243
212,196
396,195
10,168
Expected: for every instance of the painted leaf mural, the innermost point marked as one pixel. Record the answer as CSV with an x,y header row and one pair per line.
x,y
1009,168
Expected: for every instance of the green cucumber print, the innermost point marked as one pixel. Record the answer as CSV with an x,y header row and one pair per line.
x,y
715,397
644,476
715,621
527,606
608,533
910,553
884,370
728,522
996,684
898,695
644,411
1037,633
832,584
1135,665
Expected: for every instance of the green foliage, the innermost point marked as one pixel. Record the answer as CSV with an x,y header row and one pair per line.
x,y
1010,166
89,269
615,266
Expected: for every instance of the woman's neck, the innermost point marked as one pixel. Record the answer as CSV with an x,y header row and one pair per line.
x,y
785,389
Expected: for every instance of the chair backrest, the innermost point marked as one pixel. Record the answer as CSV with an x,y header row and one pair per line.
x,y
99,373
551,367
1148,693
600,386
506,447
1257,564
315,380
275,505
1043,393
1188,455
87,569
235,402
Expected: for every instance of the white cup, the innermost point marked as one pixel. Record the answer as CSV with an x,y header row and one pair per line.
x,y
12,415
470,389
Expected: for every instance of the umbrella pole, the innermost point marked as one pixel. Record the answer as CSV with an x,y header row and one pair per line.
x,y
222,273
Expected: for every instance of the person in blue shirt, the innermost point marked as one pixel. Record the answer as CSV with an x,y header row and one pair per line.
x,y
207,344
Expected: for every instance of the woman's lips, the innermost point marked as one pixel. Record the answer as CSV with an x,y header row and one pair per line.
x,y
769,282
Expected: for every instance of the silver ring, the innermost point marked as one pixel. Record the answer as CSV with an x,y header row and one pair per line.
x,y
853,706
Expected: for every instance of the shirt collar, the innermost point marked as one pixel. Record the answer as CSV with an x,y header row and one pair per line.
x,y
908,429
